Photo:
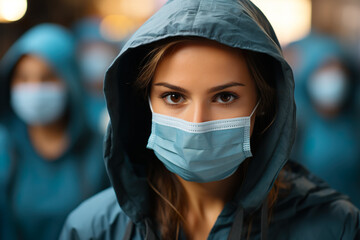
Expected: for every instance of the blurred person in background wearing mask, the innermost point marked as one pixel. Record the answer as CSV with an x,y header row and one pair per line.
x,y
328,139
95,54
49,159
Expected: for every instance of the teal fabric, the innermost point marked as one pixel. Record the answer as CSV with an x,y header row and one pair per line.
x,y
310,210
307,199
327,147
37,194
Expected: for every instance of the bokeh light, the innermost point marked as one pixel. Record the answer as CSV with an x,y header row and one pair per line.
x,y
291,19
138,8
12,10
116,27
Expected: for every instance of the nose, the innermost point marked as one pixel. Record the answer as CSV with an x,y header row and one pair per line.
x,y
198,112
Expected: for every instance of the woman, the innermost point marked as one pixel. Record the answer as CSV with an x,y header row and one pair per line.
x,y
50,161
212,77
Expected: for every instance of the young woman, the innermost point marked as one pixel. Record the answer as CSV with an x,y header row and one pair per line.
x,y
202,124
49,159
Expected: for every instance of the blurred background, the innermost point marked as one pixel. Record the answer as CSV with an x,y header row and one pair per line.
x,y
119,17
292,19
321,42
320,39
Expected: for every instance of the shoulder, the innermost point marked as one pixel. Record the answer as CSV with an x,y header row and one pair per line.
x,y
335,220
313,210
99,217
5,154
4,137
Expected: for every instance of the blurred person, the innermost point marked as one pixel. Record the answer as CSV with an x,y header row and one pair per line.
x,y
202,121
328,133
95,54
49,159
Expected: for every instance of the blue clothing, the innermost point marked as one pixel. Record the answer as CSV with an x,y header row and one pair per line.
x,y
37,194
310,53
310,203
329,147
309,209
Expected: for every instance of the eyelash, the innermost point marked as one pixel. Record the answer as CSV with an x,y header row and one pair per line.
x,y
167,94
231,94
214,99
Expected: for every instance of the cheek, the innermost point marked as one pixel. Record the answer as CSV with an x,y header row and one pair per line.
x,y
17,80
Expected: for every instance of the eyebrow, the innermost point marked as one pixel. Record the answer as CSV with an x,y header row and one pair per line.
x,y
173,87
222,87
214,89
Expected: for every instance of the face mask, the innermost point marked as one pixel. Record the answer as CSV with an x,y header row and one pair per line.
x,y
201,152
328,88
38,104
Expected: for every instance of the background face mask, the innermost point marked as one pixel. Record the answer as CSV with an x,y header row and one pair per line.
x,y
38,104
201,152
328,88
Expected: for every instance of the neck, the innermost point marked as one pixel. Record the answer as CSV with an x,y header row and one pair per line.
x,y
49,140
205,201
218,193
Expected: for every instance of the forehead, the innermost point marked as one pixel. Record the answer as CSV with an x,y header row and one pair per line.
x,y
194,61
31,63
202,49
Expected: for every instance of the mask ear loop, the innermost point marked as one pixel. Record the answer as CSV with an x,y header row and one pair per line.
x,y
150,105
256,106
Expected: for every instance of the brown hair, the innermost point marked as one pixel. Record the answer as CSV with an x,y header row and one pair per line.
x,y
168,193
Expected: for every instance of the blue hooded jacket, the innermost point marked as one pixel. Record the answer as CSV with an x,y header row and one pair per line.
x,y
308,210
37,194
329,147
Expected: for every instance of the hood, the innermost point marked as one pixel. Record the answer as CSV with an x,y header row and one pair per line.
x,y
312,52
224,21
56,46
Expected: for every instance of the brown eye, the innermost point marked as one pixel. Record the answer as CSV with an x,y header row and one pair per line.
x,y
173,98
225,97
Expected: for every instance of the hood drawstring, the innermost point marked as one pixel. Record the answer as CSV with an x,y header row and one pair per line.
x,y
264,220
235,231
128,231
150,235
237,226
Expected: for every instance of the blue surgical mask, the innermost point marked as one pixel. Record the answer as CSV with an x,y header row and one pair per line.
x,y
38,104
201,152
328,88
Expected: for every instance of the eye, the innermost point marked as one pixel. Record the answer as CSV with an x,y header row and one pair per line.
x,y
225,97
173,98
